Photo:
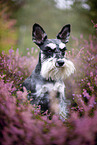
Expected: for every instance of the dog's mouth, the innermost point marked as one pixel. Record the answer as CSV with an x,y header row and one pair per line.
x,y
60,63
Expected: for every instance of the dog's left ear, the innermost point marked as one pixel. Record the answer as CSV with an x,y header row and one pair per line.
x,y
38,34
64,33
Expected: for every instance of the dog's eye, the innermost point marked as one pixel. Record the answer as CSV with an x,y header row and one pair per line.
x,y
49,50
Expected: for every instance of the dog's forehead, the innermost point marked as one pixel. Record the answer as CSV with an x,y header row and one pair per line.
x,y
55,43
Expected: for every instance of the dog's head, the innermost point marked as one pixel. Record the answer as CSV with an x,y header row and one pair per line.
x,y
54,65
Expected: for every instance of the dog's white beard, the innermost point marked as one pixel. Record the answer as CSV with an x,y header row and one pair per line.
x,y
49,70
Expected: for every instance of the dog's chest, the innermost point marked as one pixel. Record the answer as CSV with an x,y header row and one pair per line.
x,y
41,89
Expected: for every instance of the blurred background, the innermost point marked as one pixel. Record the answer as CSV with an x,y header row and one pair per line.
x,y
18,16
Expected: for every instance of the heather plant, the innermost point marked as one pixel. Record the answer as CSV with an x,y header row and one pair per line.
x,y
15,68
84,81
23,123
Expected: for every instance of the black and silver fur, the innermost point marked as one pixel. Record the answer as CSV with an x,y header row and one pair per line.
x,y
45,85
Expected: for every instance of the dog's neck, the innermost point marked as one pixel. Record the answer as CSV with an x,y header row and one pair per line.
x,y
38,66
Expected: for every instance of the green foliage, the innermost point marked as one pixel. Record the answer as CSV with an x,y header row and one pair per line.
x,y
51,19
12,4
44,12
93,10
8,32
8,35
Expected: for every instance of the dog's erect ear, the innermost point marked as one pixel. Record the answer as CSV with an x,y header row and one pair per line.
x,y
64,33
38,34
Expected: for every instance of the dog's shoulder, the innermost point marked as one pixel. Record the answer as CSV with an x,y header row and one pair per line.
x,y
29,83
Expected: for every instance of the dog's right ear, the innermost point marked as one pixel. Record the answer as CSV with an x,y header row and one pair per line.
x,y
38,34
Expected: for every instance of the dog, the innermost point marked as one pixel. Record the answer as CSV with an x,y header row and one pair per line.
x,y
46,84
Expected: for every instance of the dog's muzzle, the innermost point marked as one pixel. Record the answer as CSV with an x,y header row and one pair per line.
x,y
59,63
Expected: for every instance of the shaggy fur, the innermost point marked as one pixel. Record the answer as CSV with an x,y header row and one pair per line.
x,y
49,69
46,84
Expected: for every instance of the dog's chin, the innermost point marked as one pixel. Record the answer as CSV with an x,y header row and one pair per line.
x,y
50,71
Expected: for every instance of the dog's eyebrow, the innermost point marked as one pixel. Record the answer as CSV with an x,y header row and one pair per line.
x,y
62,45
51,45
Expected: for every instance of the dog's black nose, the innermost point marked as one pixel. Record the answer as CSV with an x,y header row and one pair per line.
x,y
59,63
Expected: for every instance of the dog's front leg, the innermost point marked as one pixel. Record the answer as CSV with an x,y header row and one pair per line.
x,y
60,88
63,111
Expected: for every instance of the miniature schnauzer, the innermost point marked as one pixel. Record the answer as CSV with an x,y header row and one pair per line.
x,y
46,84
